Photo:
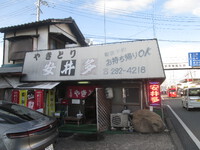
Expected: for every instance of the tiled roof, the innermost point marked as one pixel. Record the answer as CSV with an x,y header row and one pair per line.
x,y
36,24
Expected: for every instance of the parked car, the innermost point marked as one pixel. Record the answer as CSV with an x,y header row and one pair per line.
x,y
24,129
191,98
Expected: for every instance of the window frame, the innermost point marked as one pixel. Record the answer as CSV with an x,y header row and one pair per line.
x,y
16,47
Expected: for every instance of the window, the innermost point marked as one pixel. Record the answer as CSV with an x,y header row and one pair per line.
x,y
2,94
117,95
185,92
55,43
194,92
173,90
18,47
127,95
14,114
131,95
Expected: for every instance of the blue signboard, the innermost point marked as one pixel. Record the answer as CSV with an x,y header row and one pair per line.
x,y
194,59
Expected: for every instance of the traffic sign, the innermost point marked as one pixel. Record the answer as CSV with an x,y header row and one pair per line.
x,y
194,59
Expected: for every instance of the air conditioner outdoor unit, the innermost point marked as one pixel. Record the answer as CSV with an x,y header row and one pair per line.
x,y
119,120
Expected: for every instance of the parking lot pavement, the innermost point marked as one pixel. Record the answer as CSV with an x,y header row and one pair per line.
x,y
132,141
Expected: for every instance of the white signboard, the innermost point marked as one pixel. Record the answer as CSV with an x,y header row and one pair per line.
x,y
130,60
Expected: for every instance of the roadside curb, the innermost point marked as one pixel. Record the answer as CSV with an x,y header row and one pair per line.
x,y
175,139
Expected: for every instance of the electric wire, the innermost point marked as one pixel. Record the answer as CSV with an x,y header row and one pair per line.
x,y
135,14
180,22
139,21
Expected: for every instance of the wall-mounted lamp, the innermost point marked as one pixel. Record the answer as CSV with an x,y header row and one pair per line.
x,y
83,82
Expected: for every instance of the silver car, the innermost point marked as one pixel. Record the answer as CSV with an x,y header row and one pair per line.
x,y
24,129
191,98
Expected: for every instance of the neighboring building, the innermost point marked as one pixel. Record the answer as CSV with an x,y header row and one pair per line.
x,y
42,35
171,66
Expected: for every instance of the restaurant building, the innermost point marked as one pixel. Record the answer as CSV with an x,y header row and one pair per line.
x,y
95,84
85,85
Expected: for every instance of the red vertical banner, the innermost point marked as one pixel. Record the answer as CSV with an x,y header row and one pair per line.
x,y
15,96
39,100
154,94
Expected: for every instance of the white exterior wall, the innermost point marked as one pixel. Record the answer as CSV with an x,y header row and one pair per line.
x,y
6,53
35,44
8,35
65,30
57,29
43,38
26,32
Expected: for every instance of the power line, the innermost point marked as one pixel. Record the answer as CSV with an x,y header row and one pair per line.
x,y
136,19
140,15
138,22
179,41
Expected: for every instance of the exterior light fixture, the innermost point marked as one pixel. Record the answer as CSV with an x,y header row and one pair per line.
x,y
83,82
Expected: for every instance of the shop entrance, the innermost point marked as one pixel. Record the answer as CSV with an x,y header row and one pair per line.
x,y
97,110
88,115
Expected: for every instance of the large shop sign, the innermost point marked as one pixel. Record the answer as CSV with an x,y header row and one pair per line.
x,y
129,60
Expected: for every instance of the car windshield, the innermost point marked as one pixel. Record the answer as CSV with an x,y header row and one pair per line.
x,y
14,114
172,90
194,92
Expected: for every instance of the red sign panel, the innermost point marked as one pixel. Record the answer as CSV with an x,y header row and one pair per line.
x,y
154,94
79,92
39,99
15,96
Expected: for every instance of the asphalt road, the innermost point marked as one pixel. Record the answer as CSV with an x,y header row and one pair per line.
x,y
189,118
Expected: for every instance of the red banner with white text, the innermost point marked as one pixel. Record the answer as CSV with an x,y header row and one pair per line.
x,y
39,100
15,96
79,92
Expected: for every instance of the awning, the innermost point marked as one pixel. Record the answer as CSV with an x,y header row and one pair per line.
x,y
4,70
38,85
13,81
4,84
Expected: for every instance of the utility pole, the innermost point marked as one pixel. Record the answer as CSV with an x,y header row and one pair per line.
x,y
104,22
38,4
38,10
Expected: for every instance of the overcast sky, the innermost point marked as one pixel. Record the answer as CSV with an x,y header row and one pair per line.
x,y
175,23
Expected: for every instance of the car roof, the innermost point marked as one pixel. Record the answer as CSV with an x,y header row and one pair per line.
x,y
193,88
5,102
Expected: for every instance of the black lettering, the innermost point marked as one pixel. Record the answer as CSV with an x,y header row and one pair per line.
x,y
147,51
141,53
